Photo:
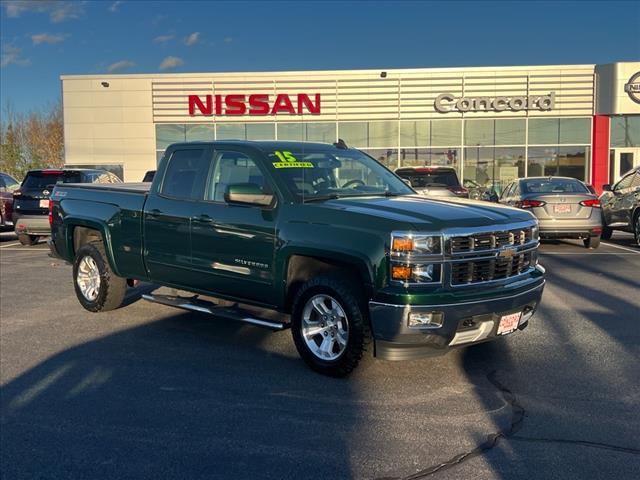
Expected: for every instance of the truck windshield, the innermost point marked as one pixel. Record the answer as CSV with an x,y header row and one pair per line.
x,y
315,175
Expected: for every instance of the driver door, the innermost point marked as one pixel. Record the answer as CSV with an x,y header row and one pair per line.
x,y
233,245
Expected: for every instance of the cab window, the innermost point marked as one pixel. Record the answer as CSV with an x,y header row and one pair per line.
x,y
186,174
233,168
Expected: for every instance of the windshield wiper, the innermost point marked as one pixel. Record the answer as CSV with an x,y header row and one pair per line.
x,y
321,198
334,196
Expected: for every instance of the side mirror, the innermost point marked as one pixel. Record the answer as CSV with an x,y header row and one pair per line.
x,y
247,194
606,187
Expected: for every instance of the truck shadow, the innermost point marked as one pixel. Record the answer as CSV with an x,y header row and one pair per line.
x,y
181,397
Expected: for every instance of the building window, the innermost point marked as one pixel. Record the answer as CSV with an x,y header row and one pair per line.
x,y
387,157
493,167
446,132
355,134
554,131
200,133
575,131
261,131
291,131
230,131
625,131
321,132
167,134
510,131
116,168
423,157
415,134
564,161
383,134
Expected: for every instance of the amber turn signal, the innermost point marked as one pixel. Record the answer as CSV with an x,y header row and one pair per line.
x,y
402,244
400,272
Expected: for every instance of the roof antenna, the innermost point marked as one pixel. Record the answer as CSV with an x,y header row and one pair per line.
x,y
341,144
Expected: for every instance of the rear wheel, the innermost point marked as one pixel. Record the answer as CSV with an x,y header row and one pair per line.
x,y
606,233
329,325
28,240
98,289
636,228
592,242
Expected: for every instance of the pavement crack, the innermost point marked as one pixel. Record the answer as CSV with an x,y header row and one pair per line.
x,y
517,418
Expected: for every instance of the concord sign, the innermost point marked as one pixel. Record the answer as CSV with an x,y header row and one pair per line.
x,y
446,102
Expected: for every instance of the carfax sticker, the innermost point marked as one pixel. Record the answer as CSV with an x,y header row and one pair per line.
x,y
288,160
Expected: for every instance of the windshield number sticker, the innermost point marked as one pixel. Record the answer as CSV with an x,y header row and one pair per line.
x,y
288,160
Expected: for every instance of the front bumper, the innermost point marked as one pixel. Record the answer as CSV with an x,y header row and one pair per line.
x,y
32,224
463,323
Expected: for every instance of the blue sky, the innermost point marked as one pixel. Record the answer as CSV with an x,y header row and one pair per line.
x,y
43,39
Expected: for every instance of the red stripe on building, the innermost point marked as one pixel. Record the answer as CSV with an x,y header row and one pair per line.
x,y
600,152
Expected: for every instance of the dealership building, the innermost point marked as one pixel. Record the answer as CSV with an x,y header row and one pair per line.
x,y
492,124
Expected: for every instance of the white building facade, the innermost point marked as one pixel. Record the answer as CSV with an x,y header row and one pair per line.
x,y
492,124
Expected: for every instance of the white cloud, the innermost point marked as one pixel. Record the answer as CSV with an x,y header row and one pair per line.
x,y
228,39
192,39
12,55
58,11
121,65
163,38
113,8
171,62
51,39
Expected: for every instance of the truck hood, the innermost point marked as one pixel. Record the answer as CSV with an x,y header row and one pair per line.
x,y
431,213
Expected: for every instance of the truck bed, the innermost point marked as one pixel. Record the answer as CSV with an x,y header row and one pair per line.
x,y
133,187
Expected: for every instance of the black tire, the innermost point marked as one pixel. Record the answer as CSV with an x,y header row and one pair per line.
x,y
606,233
591,242
354,307
111,290
28,240
636,227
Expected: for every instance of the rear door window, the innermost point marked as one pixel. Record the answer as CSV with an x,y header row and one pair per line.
x,y
186,174
233,168
44,180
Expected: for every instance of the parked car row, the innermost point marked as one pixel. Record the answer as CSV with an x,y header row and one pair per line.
x,y
25,206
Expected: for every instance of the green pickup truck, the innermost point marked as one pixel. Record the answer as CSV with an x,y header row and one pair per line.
x,y
321,237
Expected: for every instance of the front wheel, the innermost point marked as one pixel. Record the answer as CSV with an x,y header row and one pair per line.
x,y
98,289
592,242
329,325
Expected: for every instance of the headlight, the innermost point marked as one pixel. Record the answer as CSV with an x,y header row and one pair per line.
x,y
426,273
409,243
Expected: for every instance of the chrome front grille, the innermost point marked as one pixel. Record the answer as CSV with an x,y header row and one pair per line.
x,y
488,269
490,241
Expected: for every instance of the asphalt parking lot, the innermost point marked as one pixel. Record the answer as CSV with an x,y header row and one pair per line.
x,y
147,391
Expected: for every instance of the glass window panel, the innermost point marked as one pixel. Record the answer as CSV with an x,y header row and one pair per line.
x,y
572,162
199,133
543,131
479,132
186,173
415,134
321,132
387,157
575,130
422,157
510,131
230,131
355,134
167,134
446,132
291,131
493,168
542,161
383,134
261,131
116,169
625,131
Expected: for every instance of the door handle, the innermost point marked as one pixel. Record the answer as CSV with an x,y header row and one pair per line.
x,y
155,213
204,218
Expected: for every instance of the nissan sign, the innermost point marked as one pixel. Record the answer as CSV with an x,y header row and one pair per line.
x,y
255,104
447,102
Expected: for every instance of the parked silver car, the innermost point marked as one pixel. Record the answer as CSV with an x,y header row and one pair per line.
x,y
435,181
565,207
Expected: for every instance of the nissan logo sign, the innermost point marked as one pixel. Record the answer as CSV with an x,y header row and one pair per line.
x,y
632,87
446,102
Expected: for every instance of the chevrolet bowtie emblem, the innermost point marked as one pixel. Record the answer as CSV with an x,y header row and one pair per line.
x,y
506,253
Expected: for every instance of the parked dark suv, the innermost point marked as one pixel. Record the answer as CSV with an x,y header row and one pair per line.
x,y
621,205
31,200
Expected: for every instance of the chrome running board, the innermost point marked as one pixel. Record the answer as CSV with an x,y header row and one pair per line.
x,y
194,304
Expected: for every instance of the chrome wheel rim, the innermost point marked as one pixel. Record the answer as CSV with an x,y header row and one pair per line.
x,y
88,278
324,327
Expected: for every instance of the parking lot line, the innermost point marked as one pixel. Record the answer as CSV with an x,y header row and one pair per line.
x,y
621,248
10,245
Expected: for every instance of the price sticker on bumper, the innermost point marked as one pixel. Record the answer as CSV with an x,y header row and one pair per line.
x,y
508,323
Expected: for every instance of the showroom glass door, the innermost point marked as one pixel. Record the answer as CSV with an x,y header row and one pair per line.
x,y
622,160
